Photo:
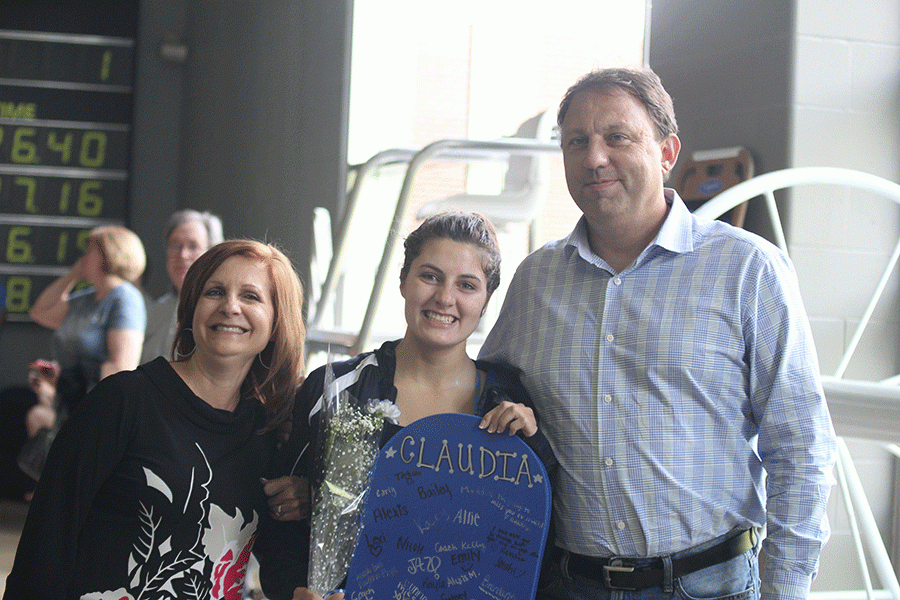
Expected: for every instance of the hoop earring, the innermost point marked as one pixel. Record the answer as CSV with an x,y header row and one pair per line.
x,y
179,356
264,365
176,354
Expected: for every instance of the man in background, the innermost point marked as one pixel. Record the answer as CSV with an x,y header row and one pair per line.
x,y
189,234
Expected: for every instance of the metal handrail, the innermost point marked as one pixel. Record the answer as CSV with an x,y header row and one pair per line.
x,y
859,504
864,409
381,159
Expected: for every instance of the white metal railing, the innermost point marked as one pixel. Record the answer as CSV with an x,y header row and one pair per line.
x,y
342,340
869,410
379,160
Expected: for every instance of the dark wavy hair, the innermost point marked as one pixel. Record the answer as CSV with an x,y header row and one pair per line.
x,y
465,227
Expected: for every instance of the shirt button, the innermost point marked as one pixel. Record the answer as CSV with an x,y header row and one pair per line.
x,y
610,337
607,398
617,281
620,525
609,462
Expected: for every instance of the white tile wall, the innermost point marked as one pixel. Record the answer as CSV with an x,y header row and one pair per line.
x,y
830,341
821,137
816,209
876,148
874,224
822,69
875,77
874,21
839,283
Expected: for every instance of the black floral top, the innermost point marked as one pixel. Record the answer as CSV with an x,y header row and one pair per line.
x,y
148,492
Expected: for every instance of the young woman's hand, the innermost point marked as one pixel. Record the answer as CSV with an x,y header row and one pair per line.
x,y
510,416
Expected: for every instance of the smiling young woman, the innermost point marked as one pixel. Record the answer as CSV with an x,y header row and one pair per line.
x,y
445,289
451,268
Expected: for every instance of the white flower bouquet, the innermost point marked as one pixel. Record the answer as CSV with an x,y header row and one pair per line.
x,y
349,441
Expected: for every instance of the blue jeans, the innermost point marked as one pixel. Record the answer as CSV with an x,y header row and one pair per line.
x,y
735,579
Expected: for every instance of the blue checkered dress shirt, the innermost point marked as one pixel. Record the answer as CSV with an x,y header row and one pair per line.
x,y
668,390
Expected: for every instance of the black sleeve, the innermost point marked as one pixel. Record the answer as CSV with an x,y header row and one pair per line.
x,y
282,548
293,457
85,452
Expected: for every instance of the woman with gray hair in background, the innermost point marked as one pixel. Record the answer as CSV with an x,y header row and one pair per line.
x,y
189,233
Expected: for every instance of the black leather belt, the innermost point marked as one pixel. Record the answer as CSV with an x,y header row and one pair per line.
x,y
623,574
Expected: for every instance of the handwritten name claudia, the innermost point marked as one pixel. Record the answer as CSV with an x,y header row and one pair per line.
x,y
498,464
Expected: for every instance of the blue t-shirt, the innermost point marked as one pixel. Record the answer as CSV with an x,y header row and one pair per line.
x,y
81,339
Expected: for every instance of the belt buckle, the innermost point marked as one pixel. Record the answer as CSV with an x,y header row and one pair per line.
x,y
616,565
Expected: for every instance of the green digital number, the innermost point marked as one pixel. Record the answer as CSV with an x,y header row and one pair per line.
x,y
107,63
64,147
18,250
30,185
64,192
93,149
24,150
18,294
61,246
89,203
81,240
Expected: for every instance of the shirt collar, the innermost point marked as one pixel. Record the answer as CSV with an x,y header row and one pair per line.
x,y
675,235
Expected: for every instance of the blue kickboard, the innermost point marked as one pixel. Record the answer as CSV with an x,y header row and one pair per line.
x,y
452,513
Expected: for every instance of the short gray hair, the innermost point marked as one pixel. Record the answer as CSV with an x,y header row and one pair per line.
x,y
211,222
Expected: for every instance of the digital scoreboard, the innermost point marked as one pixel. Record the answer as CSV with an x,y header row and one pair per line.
x,y
66,94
